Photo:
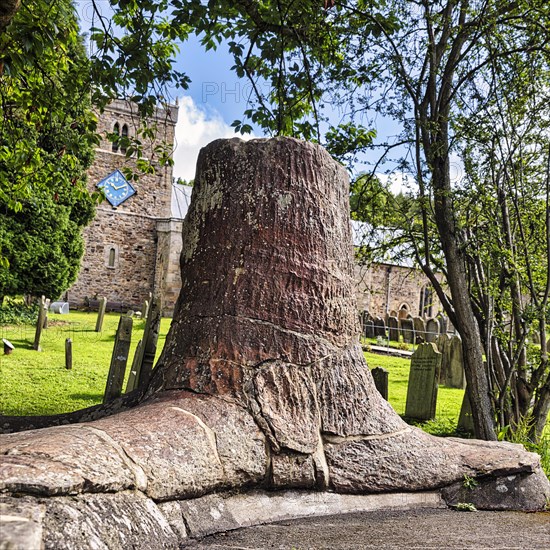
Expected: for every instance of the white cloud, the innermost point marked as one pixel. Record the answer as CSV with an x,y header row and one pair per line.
x,y
196,128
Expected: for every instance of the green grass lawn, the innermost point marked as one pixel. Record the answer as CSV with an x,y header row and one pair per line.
x,y
449,400
37,382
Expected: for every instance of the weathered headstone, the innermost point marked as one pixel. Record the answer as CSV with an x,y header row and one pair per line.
x,y
68,354
100,314
393,327
142,365
465,420
119,359
419,327
406,327
42,315
535,337
402,313
8,346
443,343
145,309
59,307
432,329
456,377
369,329
379,327
422,388
380,376
443,324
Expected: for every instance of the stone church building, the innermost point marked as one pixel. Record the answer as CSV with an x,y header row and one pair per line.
x,y
134,242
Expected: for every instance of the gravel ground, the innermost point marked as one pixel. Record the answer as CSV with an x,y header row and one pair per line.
x,y
411,529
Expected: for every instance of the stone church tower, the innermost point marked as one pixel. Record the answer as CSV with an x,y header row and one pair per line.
x,y
129,243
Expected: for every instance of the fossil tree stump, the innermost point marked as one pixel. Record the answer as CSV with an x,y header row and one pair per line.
x,y
262,382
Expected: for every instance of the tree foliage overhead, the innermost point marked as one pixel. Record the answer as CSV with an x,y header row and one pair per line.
x,y
47,134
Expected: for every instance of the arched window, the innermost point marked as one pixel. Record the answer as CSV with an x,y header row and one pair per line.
x,y
124,135
116,130
112,257
426,301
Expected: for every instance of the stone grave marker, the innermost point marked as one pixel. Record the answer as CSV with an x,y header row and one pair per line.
x,y
59,307
100,314
406,327
369,329
379,327
443,324
456,377
40,323
8,346
393,327
402,313
432,330
380,376
68,354
535,337
422,388
443,343
393,313
119,359
419,327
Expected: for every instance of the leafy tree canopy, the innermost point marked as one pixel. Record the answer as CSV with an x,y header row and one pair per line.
x,y
46,144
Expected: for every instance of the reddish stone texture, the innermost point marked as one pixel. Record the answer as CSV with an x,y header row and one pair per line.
x,y
266,265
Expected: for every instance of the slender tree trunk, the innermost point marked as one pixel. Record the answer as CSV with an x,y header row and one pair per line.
x,y
476,375
8,9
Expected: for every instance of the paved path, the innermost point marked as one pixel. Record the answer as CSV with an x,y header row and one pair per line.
x,y
411,529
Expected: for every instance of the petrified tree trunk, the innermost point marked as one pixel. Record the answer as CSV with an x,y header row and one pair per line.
x,y
262,382
266,313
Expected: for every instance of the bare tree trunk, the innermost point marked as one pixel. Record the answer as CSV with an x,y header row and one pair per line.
x,y
8,9
476,375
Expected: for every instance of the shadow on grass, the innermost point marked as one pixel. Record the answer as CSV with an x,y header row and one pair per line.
x,y
86,396
20,343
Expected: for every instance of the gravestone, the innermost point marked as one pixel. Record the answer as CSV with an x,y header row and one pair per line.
x,y
402,313
406,327
465,419
369,329
380,376
40,324
393,313
379,327
535,337
8,346
419,327
443,324
119,359
68,354
456,377
432,330
393,328
443,343
59,307
100,314
422,388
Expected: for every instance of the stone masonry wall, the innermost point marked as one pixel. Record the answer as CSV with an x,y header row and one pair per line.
x,y
382,288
